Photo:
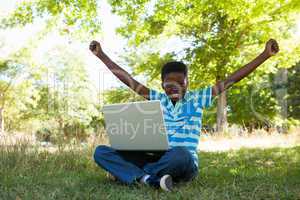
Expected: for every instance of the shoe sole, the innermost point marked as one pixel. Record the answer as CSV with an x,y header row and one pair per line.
x,y
166,183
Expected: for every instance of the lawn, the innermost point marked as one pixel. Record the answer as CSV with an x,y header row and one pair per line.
x,y
26,173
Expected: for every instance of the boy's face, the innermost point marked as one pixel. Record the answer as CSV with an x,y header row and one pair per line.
x,y
175,85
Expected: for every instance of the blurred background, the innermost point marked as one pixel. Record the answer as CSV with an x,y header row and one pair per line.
x,y
52,87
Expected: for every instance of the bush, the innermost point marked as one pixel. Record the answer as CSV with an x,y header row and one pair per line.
x,y
43,135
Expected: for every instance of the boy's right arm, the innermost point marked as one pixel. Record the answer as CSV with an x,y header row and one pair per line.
x,y
120,73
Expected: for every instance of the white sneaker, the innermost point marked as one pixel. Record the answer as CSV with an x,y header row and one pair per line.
x,y
166,183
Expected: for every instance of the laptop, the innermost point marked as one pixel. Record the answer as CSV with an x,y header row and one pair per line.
x,y
136,126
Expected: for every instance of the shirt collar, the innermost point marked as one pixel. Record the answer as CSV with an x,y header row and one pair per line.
x,y
185,97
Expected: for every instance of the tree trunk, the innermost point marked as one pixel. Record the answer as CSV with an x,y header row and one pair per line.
x,y
280,81
222,112
1,120
222,100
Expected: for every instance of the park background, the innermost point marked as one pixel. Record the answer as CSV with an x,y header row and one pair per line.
x,y
52,90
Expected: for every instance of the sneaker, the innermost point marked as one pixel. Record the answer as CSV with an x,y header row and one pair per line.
x,y
166,183
144,179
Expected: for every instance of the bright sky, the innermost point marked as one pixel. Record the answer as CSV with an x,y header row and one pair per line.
x,y
111,43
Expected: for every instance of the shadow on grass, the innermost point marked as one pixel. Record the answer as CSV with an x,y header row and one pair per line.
x,y
243,174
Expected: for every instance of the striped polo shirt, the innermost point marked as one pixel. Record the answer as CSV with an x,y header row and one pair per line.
x,y
183,121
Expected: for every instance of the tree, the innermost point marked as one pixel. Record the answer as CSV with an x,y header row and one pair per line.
x,y
293,97
253,105
221,35
120,95
69,102
8,74
16,88
78,18
65,94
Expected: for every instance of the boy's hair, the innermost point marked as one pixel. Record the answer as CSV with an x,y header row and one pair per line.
x,y
173,66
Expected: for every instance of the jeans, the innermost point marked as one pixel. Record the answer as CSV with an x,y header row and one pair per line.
x,y
129,167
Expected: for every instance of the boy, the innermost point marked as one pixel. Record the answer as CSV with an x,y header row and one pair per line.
x,y
182,110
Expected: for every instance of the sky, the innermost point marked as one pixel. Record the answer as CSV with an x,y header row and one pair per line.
x,y
112,44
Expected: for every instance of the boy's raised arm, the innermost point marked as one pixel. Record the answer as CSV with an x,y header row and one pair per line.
x,y
120,73
270,50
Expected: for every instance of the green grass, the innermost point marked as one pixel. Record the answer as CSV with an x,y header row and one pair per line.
x,y
244,174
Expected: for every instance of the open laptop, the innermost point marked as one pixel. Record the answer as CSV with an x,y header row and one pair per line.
x,y
136,126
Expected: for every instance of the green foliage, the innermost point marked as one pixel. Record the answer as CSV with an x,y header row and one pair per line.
x,y
76,17
97,123
65,96
16,91
22,99
219,37
9,70
121,95
252,105
150,64
294,92
43,134
3,66
55,94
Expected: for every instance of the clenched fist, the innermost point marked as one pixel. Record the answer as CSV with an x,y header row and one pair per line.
x,y
95,47
271,48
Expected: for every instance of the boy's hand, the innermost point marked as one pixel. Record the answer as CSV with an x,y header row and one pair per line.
x,y
271,48
119,72
95,47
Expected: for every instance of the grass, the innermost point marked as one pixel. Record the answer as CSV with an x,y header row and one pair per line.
x,y
27,173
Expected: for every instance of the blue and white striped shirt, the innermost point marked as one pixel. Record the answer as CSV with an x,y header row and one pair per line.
x,y
183,121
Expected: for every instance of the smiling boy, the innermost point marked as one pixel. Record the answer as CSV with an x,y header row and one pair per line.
x,y
182,110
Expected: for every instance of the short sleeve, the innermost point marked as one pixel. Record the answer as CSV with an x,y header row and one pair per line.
x,y
203,97
154,95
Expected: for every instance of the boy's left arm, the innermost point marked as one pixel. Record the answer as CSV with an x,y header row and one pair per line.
x,y
271,49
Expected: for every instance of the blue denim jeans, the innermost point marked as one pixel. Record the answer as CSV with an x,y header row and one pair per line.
x,y
129,167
